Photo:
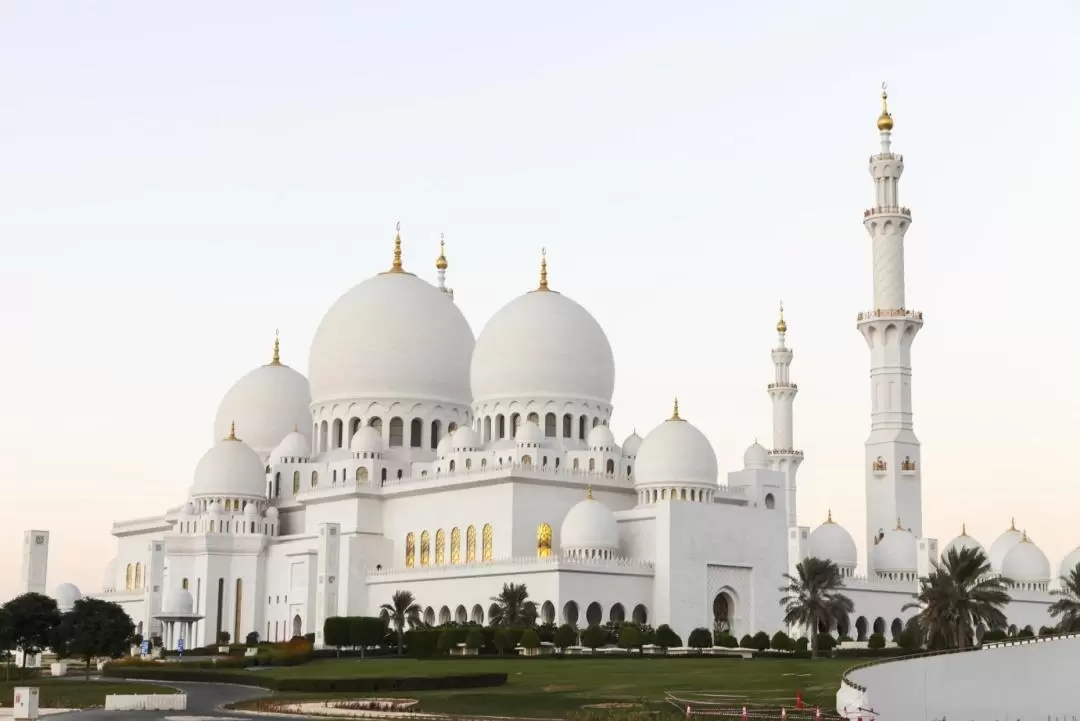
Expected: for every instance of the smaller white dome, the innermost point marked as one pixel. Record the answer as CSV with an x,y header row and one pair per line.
x,y
1026,563
589,526
961,542
294,445
756,456
1002,545
230,468
215,509
178,602
251,510
271,513
466,439
186,511
446,445
108,580
896,552
66,594
831,541
366,440
529,432
631,445
601,437
1070,562
676,452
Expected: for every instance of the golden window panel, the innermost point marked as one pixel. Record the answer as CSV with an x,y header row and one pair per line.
x,y
138,576
455,545
543,540
314,478
440,547
488,533
470,544
361,475
129,578
425,548
410,550
296,482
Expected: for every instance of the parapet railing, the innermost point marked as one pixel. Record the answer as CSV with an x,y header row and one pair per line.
x,y
588,562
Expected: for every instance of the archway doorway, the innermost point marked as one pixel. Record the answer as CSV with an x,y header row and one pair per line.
x,y
297,626
723,609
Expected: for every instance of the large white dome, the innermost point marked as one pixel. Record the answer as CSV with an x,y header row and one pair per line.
x,y
65,595
589,526
896,552
268,403
393,336
1003,545
831,541
230,468
1068,563
1026,563
676,452
543,344
961,542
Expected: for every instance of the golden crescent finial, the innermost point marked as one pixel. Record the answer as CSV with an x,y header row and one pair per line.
x,y
276,360
232,432
885,121
781,325
543,270
675,411
440,262
397,267
963,529
588,493
829,519
898,526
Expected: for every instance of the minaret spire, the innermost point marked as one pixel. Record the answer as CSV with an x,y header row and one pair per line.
x,y
893,462
784,457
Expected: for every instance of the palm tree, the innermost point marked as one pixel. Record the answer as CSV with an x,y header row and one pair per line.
x,y
961,592
812,597
402,609
513,607
1068,606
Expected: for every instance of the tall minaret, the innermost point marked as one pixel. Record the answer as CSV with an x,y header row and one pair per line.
x,y
783,457
893,467
441,265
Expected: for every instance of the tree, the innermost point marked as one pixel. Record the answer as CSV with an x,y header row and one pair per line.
x,y
224,637
448,639
252,638
961,592
529,639
747,641
876,641
474,639
7,640
781,641
34,618
760,641
724,639
402,609
565,636
336,632
594,637
667,638
502,640
513,607
629,637
812,597
364,631
1068,604
93,628
700,638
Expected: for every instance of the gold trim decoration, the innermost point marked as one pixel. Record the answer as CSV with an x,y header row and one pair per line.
x,y
455,545
1012,523
470,544
885,121
829,518
440,262
276,359
543,270
898,526
396,266
588,493
675,411
488,541
543,540
232,432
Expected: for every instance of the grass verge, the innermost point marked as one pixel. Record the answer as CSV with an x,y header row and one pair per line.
x,y
63,693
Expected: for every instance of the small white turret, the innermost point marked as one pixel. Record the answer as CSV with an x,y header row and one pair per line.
x,y
441,265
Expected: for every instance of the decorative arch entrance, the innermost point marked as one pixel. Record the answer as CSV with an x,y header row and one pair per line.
x,y
723,609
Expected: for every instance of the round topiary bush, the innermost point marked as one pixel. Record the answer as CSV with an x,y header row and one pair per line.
x,y
802,644
747,641
629,637
876,641
781,642
474,639
724,639
565,636
594,637
825,642
530,639
447,640
699,638
667,638
760,641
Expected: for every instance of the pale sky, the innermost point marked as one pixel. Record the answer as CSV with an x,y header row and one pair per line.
x,y
179,179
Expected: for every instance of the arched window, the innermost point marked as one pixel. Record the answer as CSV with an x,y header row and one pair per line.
x,y
129,578
361,475
295,482
455,545
500,426
582,423
550,425
592,465
314,479
452,427
138,576
630,471
543,540
470,544
324,436
468,463
533,418
339,432
595,422
487,429
483,463
488,541
453,466
576,465
383,475
410,550
238,610
515,421
611,467
416,433
425,548
397,432
440,547
567,426
184,584
333,478
770,502
526,460
436,431
277,484
354,426
399,474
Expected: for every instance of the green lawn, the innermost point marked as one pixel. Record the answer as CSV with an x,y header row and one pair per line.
x,y
62,693
553,687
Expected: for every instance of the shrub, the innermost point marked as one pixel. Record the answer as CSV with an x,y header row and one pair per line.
x,y
530,639
699,638
725,640
747,641
474,639
760,641
252,639
667,638
802,644
365,631
909,640
223,637
1026,632
503,640
629,637
781,642
825,642
336,632
876,641
995,635
1047,631
546,632
447,640
594,637
565,636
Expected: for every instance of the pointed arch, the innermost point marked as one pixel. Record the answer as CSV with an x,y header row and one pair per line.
x,y
425,548
470,544
543,540
489,540
455,545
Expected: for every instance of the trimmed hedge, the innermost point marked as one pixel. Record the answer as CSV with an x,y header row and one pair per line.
x,y
308,685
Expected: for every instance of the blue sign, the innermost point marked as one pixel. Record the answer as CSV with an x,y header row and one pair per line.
x,y
180,647
145,648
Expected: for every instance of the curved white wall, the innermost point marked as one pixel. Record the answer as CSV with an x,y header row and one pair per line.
x,y
1019,680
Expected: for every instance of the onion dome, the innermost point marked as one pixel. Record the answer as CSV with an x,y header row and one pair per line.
x,y
446,445
367,439
466,439
631,445
529,433
272,513
543,345
756,456
295,445
268,403
392,336
781,325
178,602
1069,563
961,542
676,452
1003,545
896,552
66,594
1026,563
230,468
831,541
601,438
884,121
251,510
589,529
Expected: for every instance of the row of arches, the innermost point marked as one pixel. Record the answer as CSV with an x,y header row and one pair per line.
x,y
329,436
495,427
487,542
237,527
594,614
863,628
133,577
694,495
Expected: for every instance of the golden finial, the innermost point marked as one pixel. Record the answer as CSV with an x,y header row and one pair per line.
x,y
440,262
963,529
588,493
781,325
884,121
232,432
543,270
829,519
898,526
1024,538
276,360
675,412
1012,523
396,267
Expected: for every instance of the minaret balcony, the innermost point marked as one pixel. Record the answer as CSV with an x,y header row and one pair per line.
x,y
786,452
784,386
887,313
887,210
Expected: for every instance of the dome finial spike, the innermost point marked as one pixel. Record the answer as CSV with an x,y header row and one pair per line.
x,y
1024,538
543,270
885,121
232,432
440,262
829,519
397,267
781,325
963,529
588,493
276,359
1012,523
675,411
899,527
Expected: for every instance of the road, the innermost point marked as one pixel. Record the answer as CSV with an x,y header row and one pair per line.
x,y
204,703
